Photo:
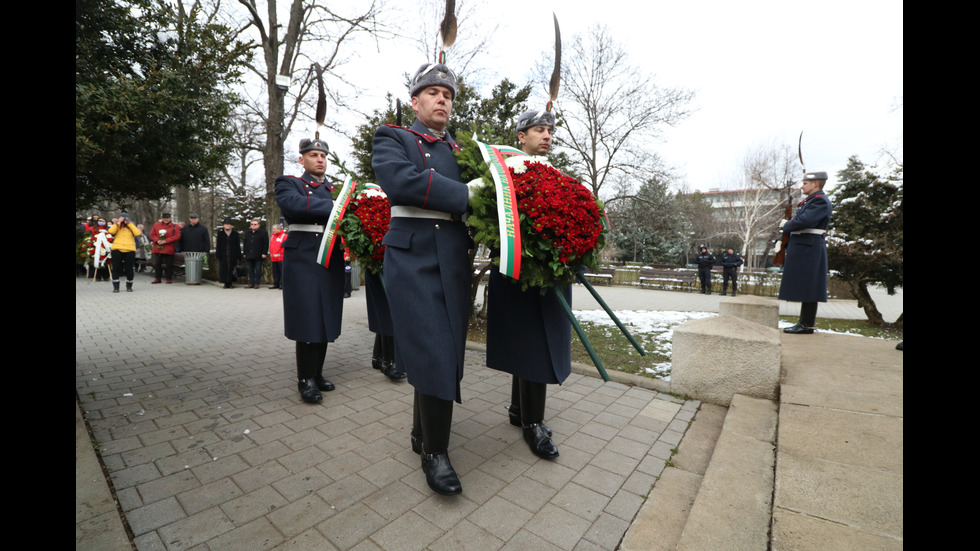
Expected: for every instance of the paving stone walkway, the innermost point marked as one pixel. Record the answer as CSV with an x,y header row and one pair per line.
x,y
191,396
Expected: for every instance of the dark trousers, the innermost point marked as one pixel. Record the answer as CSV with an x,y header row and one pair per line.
x,y
704,274
164,265
254,271
277,274
123,263
730,275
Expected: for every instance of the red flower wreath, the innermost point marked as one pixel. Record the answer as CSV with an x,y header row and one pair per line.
x,y
364,225
560,222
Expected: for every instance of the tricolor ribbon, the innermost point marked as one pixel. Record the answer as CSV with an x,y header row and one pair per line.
x,y
336,215
102,245
510,233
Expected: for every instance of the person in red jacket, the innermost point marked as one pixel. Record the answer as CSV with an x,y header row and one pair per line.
x,y
275,255
163,236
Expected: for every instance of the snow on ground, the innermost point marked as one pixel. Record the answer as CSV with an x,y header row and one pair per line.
x,y
653,329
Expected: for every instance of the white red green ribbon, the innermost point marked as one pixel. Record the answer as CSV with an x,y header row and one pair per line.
x,y
507,215
102,247
336,215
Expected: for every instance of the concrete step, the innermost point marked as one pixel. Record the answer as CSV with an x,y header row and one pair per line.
x,y
717,492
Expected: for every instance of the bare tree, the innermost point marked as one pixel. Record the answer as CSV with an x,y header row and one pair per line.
x,y
611,113
471,44
282,56
751,213
774,167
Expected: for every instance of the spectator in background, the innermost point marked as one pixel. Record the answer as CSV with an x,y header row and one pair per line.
x,y
229,251
275,255
256,249
730,262
194,237
141,244
124,246
163,236
705,261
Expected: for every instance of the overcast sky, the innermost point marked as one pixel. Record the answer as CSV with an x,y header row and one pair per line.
x,y
763,71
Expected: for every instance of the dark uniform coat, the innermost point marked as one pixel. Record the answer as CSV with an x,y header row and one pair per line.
x,y
228,250
705,261
312,296
528,334
379,314
427,267
805,270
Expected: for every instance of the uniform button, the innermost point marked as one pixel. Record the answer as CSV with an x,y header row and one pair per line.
x,y
437,226
427,155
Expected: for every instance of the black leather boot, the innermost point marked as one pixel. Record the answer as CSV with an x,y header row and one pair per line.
x,y
440,475
532,412
309,362
321,354
540,443
799,329
437,417
309,392
392,372
514,409
416,426
129,286
115,286
376,360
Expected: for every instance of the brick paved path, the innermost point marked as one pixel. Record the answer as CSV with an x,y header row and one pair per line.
x,y
191,395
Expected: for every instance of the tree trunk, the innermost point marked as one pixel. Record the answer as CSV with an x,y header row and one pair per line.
x,y
859,290
183,200
273,156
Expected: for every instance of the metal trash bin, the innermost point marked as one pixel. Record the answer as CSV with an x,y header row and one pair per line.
x,y
193,268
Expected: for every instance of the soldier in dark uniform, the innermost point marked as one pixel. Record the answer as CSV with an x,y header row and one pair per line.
x,y
427,266
312,296
730,261
805,271
705,261
528,332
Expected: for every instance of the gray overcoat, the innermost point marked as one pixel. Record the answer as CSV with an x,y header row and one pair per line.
x,y
312,296
528,334
427,269
805,270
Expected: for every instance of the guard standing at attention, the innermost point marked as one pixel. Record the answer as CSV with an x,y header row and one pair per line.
x,y
312,296
805,271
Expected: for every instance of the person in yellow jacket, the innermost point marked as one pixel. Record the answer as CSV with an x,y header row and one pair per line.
x,y
124,250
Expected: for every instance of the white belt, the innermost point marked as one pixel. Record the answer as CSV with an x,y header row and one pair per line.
x,y
314,228
416,212
809,230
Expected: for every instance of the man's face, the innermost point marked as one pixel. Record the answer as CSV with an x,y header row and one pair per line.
x,y
810,186
227,227
193,221
433,105
536,141
254,226
165,220
315,162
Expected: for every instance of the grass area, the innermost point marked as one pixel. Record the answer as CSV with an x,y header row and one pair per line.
x,y
616,353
